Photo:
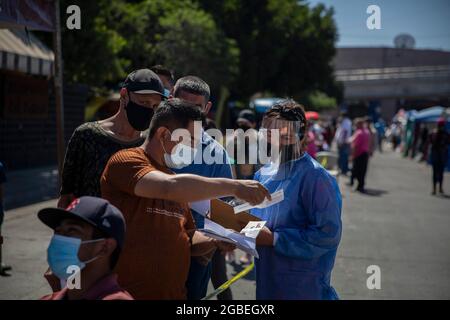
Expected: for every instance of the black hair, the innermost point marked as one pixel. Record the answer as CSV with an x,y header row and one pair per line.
x,y
161,70
290,110
194,85
174,114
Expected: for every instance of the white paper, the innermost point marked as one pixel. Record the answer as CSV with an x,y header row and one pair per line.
x,y
252,229
216,236
243,242
277,197
201,207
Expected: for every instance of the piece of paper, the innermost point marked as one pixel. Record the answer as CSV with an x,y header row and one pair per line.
x,y
243,242
216,236
223,214
277,197
252,229
201,207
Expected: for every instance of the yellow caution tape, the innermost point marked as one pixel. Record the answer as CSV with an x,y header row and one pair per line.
x,y
324,162
227,284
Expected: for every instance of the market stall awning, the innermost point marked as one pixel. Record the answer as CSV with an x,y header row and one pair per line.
x,y
430,114
31,14
23,52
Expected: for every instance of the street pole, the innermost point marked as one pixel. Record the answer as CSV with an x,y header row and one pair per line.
x,y
58,88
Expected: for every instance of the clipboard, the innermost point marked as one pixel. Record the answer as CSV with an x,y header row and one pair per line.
x,y
223,214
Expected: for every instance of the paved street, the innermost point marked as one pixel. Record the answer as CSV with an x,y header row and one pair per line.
x,y
399,227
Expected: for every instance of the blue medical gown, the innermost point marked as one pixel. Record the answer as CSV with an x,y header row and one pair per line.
x,y
307,228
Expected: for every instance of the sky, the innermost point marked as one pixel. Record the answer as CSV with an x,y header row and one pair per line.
x,y
428,21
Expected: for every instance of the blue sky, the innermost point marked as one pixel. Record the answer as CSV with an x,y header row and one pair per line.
x,y
428,21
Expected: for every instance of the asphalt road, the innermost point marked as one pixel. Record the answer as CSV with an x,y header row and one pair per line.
x,y
399,227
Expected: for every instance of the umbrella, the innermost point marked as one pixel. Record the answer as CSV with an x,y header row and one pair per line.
x,y
312,115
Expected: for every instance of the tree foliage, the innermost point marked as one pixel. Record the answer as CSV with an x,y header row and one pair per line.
x,y
282,46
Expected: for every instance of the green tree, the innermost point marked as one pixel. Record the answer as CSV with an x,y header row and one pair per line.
x,y
90,55
191,43
119,36
286,47
319,101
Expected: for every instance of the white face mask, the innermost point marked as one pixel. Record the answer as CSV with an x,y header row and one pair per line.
x,y
182,155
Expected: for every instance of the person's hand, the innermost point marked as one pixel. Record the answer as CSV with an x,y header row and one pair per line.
x,y
265,237
251,191
53,281
223,246
205,259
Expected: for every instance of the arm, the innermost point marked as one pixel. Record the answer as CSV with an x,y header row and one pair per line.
x,y
71,169
190,188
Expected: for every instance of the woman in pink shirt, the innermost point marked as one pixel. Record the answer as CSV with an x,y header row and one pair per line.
x,y
360,142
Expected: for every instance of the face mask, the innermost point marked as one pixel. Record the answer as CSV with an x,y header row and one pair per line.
x,y
181,156
287,153
138,116
63,253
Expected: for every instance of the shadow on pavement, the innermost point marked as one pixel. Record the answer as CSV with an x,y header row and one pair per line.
x,y
29,186
374,192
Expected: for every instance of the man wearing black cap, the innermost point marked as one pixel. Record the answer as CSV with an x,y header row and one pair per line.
x,y
88,238
93,143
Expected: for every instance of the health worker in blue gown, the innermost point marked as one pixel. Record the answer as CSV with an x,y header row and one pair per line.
x,y
297,248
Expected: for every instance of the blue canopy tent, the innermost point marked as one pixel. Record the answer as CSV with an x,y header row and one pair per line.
x,y
261,105
431,115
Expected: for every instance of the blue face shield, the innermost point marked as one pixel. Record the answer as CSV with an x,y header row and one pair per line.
x,y
62,253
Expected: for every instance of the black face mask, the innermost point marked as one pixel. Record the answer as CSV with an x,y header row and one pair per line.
x,y
139,117
287,153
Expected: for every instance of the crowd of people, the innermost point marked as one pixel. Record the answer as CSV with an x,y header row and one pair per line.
x,y
353,141
124,220
124,225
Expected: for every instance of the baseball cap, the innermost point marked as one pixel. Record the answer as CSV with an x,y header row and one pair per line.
x,y
144,81
96,211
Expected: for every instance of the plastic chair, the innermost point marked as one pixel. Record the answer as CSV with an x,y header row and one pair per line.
x,y
329,160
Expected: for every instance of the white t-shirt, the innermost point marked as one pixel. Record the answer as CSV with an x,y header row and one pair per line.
x,y
344,131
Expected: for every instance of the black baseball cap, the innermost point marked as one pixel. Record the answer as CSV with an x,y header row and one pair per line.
x,y
144,81
247,115
96,211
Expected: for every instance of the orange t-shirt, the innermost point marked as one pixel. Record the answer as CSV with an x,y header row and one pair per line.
x,y
154,262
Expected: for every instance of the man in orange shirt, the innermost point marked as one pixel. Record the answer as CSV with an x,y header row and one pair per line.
x,y
161,234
